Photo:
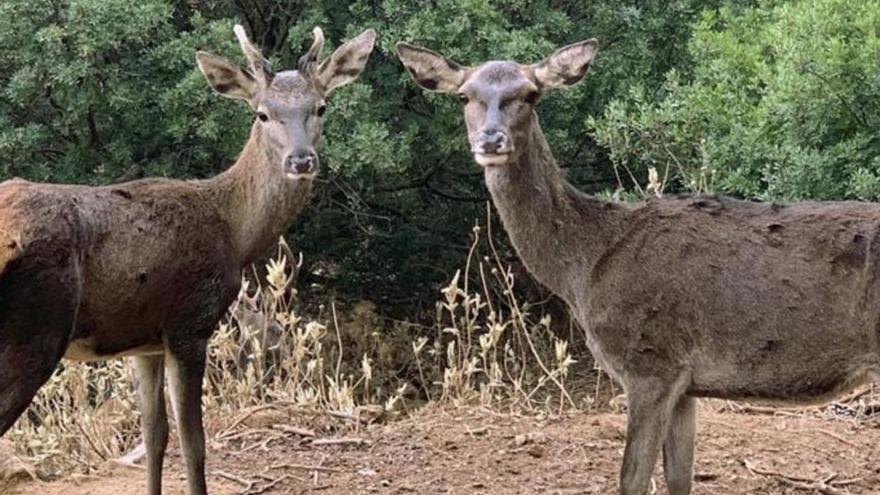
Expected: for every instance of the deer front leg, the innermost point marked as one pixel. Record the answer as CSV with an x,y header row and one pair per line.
x,y
678,450
650,410
186,370
154,419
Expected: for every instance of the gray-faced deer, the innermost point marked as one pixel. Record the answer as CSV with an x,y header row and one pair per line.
x,y
679,298
148,268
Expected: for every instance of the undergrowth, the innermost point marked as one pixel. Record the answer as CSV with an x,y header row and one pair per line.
x,y
485,347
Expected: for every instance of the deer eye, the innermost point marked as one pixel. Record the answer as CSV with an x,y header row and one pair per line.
x,y
321,110
532,97
463,98
262,116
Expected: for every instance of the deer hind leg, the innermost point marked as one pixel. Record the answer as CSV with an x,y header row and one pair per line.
x,y
678,450
39,297
186,370
154,420
651,407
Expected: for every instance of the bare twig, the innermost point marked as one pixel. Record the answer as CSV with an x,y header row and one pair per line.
x,y
340,441
303,432
305,467
242,418
836,437
267,486
247,484
826,485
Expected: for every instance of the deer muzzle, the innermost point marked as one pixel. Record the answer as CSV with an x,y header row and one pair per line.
x,y
492,147
301,164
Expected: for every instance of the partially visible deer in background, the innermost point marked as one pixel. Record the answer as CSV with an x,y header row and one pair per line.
x,y
259,334
679,298
148,268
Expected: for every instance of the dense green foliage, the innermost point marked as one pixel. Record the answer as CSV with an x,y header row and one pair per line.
x,y
783,103
765,99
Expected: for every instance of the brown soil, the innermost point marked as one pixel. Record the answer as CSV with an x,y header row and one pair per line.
x,y
472,451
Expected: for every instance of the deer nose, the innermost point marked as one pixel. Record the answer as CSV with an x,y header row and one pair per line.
x,y
302,162
493,142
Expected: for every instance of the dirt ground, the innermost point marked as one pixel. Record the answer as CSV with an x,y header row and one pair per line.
x,y
473,451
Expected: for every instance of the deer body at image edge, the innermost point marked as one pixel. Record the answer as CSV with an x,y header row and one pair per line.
x,y
148,268
679,298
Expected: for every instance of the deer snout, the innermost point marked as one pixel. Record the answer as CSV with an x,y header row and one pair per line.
x,y
492,147
493,142
301,164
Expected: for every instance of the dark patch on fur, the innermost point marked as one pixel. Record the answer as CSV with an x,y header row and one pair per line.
x,y
303,63
428,83
122,192
224,73
852,256
770,345
348,73
223,87
710,204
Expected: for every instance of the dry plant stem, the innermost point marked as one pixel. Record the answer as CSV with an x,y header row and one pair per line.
x,y
825,485
305,467
497,259
837,437
88,439
482,270
303,432
248,484
242,418
535,354
678,165
467,277
340,441
267,486
425,385
338,341
770,411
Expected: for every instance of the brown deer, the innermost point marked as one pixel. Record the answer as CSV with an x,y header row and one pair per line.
x,y
148,268
679,298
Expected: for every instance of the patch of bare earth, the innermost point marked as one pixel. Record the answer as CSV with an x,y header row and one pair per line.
x,y
472,451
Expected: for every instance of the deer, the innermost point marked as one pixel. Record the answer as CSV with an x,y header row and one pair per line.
x,y
148,268
680,297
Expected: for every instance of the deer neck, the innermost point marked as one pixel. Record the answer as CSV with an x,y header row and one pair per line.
x,y
255,198
558,232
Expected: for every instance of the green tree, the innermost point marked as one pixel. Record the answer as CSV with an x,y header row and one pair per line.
x,y
782,103
95,91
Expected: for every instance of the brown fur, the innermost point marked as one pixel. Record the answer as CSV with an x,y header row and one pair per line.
x,y
148,268
682,297
159,260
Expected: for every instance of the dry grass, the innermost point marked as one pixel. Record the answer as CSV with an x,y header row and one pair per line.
x,y
486,347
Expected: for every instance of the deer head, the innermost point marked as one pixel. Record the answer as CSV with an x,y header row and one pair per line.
x,y
498,96
289,104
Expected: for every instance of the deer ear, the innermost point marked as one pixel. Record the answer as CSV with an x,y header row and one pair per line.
x,y
227,78
567,66
431,70
347,62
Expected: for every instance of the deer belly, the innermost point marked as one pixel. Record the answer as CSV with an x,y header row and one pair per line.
x,y
84,350
801,379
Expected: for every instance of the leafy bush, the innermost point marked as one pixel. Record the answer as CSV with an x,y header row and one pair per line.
x,y
782,104
95,91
